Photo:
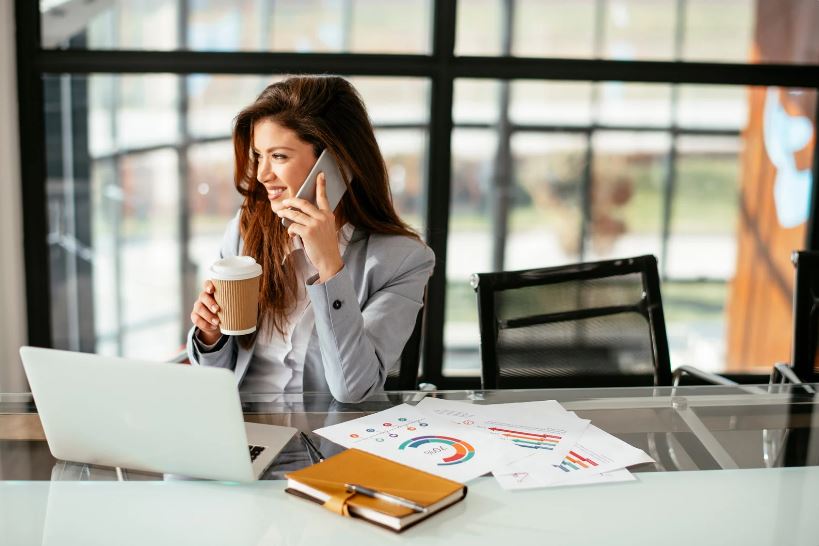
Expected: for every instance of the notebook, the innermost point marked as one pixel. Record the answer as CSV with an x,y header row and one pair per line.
x,y
326,483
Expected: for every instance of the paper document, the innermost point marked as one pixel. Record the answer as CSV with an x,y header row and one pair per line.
x,y
526,480
408,436
542,429
597,452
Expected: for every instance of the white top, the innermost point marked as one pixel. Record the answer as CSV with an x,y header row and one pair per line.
x,y
278,361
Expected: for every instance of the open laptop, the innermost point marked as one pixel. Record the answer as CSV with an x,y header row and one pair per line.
x,y
156,417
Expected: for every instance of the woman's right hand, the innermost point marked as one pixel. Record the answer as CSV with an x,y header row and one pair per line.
x,y
204,316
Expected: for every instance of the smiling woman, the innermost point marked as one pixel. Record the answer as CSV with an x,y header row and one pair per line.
x,y
283,160
341,289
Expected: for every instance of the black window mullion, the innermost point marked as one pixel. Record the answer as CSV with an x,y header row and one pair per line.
x,y
30,96
439,176
239,62
670,72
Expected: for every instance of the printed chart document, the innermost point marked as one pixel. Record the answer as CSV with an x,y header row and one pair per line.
x,y
420,440
597,453
542,429
526,480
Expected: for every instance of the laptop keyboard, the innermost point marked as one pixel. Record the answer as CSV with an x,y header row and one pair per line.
x,y
255,451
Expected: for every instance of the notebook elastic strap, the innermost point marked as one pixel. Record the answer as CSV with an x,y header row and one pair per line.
x,y
338,503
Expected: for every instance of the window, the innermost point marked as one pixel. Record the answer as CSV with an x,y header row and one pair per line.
x,y
605,170
578,131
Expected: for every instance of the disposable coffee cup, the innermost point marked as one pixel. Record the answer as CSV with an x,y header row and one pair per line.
x,y
236,280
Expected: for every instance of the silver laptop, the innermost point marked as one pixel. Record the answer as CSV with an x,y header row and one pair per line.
x,y
156,417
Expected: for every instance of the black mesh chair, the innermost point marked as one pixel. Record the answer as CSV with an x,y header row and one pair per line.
x,y
804,365
581,325
805,350
786,447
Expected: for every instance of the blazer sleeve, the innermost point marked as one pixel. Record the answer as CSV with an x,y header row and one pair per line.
x,y
360,344
224,356
225,352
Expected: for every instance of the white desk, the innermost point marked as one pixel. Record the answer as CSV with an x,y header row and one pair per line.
x,y
744,507
701,428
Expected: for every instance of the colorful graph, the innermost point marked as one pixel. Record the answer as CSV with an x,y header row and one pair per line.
x,y
575,461
528,439
463,451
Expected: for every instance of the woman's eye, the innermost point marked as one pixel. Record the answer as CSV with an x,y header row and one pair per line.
x,y
279,157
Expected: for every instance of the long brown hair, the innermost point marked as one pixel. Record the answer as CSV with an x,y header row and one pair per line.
x,y
326,112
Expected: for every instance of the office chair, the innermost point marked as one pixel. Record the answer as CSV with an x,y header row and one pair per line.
x,y
581,325
779,446
404,377
805,349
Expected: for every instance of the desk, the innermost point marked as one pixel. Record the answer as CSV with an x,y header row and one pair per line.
x,y
743,507
747,435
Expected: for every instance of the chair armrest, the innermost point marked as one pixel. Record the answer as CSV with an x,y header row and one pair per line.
x,y
782,371
700,374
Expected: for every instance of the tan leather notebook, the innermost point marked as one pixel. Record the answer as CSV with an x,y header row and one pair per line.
x,y
327,484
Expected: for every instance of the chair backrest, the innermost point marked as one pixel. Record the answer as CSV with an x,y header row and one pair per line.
x,y
805,350
588,324
404,377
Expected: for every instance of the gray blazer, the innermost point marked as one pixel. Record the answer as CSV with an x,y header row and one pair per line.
x,y
363,316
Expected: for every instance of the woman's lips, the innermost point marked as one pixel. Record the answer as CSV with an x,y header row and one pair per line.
x,y
275,193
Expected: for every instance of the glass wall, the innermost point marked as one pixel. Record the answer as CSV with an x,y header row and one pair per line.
x,y
649,30
360,26
607,170
715,180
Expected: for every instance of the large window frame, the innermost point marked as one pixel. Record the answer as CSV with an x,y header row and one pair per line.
x,y
442,67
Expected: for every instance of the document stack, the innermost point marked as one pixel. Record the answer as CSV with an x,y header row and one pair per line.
x,y
524,445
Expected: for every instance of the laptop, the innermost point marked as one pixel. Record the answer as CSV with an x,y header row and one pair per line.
x,y
149,416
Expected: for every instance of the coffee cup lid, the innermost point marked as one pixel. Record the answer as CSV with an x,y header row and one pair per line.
x,y
235,268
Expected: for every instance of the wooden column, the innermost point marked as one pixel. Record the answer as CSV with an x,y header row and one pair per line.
x,y
759,306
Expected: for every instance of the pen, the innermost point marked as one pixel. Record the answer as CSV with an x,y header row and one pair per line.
x,y
310,446
367,492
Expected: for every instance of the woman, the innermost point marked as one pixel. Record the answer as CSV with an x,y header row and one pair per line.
x,y
340,289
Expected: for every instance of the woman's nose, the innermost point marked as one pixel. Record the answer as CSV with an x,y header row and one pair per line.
x,y
263,172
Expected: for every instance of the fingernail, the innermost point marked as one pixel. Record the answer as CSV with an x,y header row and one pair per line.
x,y
215,321
213,308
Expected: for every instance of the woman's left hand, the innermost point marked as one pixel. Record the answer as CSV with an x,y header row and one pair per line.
x,y
316,225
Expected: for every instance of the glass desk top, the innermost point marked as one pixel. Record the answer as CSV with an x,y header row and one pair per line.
x,y
682,428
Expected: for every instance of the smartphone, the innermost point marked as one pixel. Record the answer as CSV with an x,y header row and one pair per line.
x,y
334,183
